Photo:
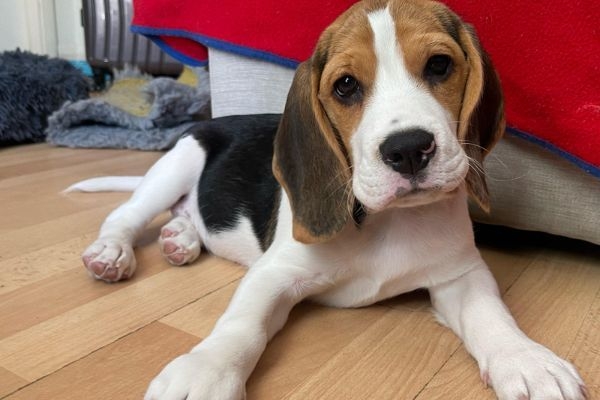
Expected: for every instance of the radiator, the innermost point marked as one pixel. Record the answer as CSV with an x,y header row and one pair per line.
x,y
110,44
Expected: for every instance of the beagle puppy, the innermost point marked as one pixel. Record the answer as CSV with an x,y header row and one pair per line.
x,y
357,193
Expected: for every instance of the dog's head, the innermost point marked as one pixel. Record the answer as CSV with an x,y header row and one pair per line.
x,y
397,107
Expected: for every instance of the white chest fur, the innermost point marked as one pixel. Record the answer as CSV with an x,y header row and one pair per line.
x,y
396,251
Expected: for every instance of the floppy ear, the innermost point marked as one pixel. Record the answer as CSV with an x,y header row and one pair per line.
x,y
309,161
481,121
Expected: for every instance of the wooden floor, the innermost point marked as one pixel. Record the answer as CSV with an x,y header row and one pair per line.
x,y
66,336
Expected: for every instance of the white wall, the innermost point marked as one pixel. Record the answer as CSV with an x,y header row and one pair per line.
x,y
49,27
71,41
13,29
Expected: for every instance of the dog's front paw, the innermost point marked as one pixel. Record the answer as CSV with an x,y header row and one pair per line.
x,y
532,372
109,260
195,376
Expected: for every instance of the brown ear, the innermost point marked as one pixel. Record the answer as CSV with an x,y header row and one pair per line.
x,y
309,162
482,115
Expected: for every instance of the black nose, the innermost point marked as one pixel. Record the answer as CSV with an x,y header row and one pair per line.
x,y
408,152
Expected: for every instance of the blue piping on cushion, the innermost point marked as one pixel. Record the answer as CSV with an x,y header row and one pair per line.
x,y
177,54
587,167
154,33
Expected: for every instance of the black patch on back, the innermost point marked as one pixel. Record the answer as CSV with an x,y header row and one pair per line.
x,y
237,179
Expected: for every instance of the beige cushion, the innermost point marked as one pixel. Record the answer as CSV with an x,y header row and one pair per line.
x,y
241,85
534,189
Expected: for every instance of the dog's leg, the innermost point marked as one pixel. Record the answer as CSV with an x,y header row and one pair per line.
x,y
219,366
516,366
111,257
179,241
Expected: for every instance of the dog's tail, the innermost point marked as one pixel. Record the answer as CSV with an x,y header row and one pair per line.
x,y
106,184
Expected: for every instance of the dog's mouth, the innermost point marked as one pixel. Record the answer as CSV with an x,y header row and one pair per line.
x,y
417,189
418,196
380,194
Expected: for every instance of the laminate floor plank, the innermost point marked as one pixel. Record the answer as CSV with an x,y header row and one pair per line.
x,y
50,345
121,370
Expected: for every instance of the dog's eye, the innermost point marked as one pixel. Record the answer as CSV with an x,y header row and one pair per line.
x,y
438,68
347,89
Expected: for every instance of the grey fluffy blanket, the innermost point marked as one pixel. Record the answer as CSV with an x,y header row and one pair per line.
x,y
31,88
108,123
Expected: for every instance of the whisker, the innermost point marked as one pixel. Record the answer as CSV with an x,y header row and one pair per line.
x,y
476,166
496,158
486,151
467,143
346,187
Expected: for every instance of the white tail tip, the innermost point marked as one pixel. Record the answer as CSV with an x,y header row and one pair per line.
x,y
106,184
